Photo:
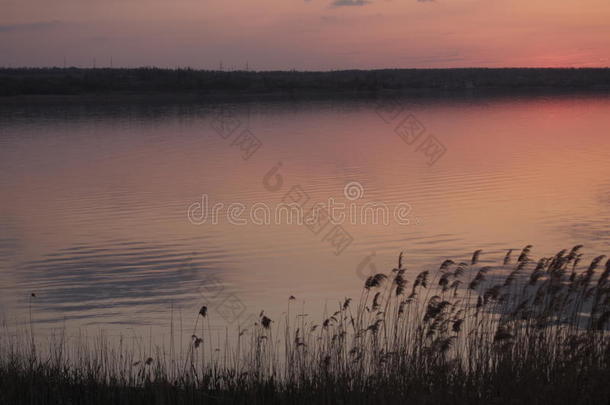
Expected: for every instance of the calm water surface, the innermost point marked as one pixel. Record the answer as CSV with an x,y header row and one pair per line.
x,y
94,201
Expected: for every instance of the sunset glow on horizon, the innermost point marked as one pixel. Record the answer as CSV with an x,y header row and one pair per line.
x,y
305,35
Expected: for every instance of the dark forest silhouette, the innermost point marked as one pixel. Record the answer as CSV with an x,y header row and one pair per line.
x,y
66,81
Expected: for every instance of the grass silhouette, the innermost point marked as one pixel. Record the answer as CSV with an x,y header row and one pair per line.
x,y
524,331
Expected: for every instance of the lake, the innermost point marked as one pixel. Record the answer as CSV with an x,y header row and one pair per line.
x,y
126,216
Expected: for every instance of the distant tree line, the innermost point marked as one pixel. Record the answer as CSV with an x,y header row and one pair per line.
x,y
28,81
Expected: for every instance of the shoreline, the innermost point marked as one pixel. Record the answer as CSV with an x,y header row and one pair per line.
x,y
303,96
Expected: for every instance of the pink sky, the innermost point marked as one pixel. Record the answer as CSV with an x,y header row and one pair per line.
x,y
305,35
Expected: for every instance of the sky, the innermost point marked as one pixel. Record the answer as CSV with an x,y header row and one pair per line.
x,y
305,34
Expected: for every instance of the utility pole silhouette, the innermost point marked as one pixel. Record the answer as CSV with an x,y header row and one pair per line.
x,y
64,61
111,62
93,63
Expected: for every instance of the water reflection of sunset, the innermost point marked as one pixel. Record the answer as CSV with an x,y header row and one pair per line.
x,y
515,171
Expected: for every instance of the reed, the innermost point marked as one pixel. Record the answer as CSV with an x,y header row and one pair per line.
x,y
535,331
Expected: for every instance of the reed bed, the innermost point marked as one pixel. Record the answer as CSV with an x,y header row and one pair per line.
x,y
522,331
